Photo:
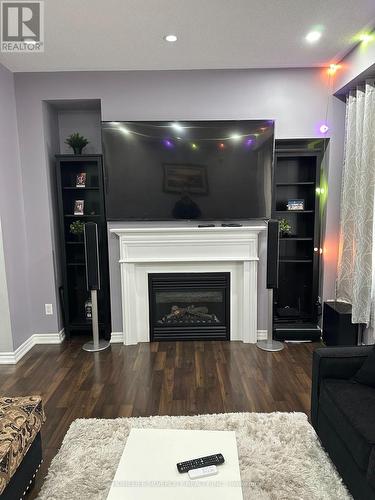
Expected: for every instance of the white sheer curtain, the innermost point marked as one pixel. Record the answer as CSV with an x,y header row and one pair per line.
x,y
356,276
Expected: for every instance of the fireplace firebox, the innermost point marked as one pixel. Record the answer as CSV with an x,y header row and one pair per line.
x,y
189,306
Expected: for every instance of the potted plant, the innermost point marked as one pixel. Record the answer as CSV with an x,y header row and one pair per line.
x,y
77,142
284,228
76,229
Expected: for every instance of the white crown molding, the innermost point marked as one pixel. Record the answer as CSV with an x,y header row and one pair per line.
x,y
12,357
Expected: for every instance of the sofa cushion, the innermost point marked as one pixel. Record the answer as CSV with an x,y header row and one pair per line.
x,y
366,374
350,407
20,421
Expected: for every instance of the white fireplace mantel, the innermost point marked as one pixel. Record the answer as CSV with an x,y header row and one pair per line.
x,y
157,249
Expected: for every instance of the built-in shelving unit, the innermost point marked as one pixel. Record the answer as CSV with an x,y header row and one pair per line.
x,y
297,177
75,293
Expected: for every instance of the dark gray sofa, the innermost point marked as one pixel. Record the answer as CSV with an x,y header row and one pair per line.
x,y
343,415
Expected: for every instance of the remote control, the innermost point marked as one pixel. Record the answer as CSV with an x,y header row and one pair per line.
x,y
231,225
198,463
211,470
206,225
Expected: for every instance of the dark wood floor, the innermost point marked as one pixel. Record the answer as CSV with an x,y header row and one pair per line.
x,y
169,378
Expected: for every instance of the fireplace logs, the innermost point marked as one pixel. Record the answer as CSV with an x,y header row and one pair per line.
x,y
189,314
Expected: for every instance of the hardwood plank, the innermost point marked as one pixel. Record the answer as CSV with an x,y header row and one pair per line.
x,y
160,378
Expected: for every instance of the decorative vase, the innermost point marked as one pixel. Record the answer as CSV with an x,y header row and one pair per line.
x,y
77,150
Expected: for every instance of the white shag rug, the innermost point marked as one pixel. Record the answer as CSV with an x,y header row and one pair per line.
x,y
279,453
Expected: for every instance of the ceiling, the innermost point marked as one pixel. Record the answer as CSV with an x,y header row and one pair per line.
x,y
212,34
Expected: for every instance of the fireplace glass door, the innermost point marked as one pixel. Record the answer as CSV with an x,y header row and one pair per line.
x,y
189,306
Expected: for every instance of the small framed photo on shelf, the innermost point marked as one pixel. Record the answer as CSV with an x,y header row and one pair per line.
x,y
78,207
294,205
81,180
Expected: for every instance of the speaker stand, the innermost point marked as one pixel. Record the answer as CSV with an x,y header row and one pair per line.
x,y
95,344
270,344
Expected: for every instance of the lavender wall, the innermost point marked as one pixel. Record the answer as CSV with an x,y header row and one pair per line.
x,y
87,123
52,140
6,340
12,219
296,98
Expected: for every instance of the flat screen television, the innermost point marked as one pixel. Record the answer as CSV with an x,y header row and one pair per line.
x,y
204,170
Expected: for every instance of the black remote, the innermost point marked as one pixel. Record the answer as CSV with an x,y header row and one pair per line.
x,y
232,224
197,463
206,225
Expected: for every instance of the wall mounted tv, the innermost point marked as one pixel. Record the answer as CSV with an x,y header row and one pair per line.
x,y
204,170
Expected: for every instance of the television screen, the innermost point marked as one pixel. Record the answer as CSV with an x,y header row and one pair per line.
x,y
205,170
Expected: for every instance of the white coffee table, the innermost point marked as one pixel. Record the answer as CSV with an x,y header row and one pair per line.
x,y
147,468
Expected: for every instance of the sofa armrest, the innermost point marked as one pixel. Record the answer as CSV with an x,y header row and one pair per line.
x,y
334,362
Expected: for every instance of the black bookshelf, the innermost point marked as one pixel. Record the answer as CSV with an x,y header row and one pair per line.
x,y
74,292
297,177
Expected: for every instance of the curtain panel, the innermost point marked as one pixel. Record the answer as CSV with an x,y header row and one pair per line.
x,y
355,277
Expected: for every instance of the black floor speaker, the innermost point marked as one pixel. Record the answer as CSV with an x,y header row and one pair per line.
x,y
92,256
273,254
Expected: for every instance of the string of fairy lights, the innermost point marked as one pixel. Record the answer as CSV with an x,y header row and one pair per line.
x,y
247,139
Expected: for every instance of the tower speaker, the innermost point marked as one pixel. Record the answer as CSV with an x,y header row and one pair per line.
x,y
271,345
93,284
273,254
92,256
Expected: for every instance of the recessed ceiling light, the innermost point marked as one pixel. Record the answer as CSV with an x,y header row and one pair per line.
x,y
170,38
313,36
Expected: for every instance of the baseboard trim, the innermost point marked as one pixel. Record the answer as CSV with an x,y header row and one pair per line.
x,y
262,334
117,338
13,357
49,338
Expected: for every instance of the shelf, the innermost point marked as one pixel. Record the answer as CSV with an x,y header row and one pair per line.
x,y
83,324
295,261
88,188
297,175
307,183
294,211
72,252
82,216
295,238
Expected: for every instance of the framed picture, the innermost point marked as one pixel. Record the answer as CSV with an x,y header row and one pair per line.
x,y
81,180
296,205
185,178
78,207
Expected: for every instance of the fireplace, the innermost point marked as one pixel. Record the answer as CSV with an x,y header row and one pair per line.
x,y
204,252
189,306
